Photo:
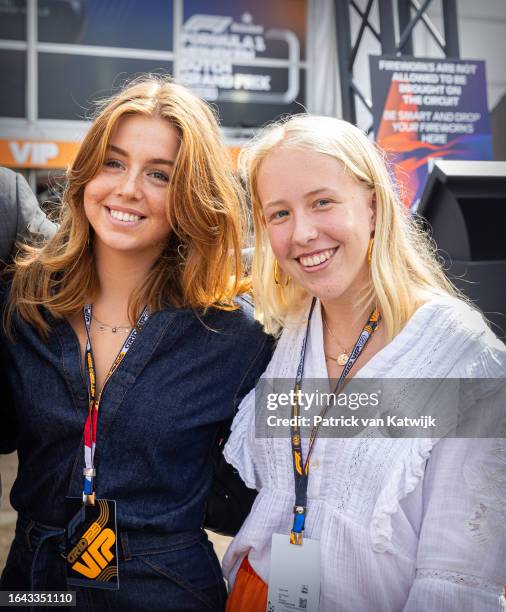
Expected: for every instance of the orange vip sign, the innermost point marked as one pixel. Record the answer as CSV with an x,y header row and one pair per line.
x,y
37,153
18,153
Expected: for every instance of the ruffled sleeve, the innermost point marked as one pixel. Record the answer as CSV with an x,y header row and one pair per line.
x,y
406,476
238,449
241,449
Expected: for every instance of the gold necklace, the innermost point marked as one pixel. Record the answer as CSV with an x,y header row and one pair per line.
x,y
343,357
114,328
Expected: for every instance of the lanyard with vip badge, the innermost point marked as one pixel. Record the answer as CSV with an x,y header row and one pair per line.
x,y
294,578
91,550
90,427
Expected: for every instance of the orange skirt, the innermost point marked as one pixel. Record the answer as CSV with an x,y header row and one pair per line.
x,y
250,591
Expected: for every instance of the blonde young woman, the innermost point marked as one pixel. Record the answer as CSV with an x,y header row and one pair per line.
x,y
125,347
401,524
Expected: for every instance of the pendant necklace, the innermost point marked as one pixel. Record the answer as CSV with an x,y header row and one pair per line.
x,y
342,358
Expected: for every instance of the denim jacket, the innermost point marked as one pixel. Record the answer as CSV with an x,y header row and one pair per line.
x,y
159,414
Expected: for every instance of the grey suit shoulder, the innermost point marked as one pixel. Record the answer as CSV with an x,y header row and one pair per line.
x,y
20,213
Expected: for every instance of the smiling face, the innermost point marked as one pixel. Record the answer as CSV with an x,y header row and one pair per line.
x,y
126,202
319,220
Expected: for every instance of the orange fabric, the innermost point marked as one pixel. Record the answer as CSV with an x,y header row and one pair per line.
x,y
249,593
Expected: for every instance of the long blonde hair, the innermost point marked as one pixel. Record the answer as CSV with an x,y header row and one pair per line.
x,y
201,264
403,266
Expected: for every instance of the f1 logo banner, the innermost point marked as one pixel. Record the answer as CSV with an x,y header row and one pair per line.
x,y
91,548
248,58
214,46
425,109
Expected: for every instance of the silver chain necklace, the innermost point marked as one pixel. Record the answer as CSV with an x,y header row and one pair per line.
x,y
113,328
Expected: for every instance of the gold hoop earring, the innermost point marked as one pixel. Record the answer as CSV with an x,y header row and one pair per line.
x,y
276,276
369,251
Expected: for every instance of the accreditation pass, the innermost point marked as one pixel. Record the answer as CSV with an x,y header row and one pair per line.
x,y
294,578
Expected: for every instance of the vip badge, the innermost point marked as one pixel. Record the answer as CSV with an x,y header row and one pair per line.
x,y
91,548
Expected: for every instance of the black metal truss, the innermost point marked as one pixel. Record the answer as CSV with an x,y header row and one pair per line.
x,y
409,14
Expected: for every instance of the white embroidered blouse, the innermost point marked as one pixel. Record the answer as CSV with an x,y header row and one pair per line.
x,y
403,524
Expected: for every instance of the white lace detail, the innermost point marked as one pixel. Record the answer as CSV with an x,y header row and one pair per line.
x,y
477,525
352,474
462,579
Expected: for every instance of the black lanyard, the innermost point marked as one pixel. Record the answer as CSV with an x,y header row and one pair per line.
x,y
301,468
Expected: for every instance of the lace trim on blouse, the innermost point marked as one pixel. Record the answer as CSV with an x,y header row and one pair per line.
x,y
459,579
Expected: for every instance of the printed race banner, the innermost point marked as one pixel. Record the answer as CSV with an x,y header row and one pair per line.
x,y
426,109
245,57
